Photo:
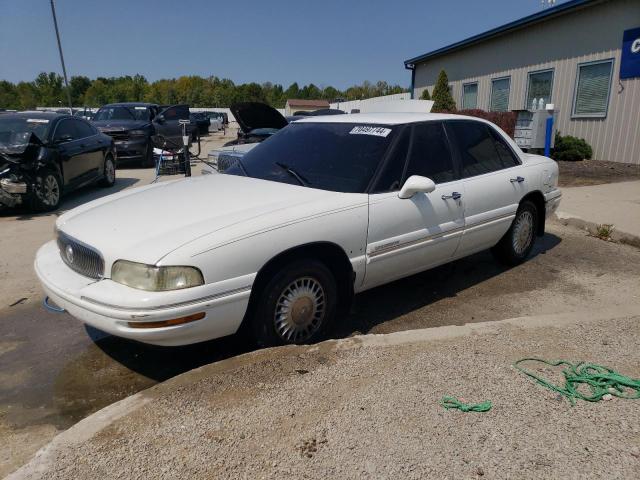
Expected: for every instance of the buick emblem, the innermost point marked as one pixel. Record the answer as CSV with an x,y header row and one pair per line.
x,y
69,253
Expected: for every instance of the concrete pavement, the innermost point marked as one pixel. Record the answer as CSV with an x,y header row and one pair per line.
x,y
617,204
368,407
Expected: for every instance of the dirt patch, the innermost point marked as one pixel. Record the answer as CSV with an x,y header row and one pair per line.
x,y
596,172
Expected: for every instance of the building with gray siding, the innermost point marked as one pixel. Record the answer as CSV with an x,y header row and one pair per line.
x,y
569,55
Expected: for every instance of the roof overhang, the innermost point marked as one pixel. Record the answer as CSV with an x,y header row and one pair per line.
x,y
524,22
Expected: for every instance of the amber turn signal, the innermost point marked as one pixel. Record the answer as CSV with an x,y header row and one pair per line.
x,y
168,323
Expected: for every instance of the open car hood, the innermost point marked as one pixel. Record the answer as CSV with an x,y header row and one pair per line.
x,y
252,115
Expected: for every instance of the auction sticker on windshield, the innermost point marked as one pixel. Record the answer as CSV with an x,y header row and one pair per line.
x,y
367,130
37,120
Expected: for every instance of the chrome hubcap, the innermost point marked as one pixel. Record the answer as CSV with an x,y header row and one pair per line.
x,y
300,310
50,191
109,171
522,232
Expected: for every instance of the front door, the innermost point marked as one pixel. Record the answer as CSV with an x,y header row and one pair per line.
x,y
170,127
407,236
73,157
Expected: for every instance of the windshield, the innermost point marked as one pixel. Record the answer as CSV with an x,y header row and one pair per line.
x,y
340,157
123,113
15,131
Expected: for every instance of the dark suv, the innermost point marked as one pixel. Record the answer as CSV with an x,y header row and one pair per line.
x,y
132,125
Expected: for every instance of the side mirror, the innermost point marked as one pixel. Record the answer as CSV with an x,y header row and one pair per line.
x,y
159,119
415,184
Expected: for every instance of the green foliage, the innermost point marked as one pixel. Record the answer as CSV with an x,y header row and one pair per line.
x,y
48,91
425,95
443,101
571,149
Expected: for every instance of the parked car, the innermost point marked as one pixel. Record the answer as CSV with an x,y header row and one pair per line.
x,y
326,208
200,121
44,155
256,122
216,119
132,125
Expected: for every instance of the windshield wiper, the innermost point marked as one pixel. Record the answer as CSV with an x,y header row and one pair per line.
x,y
301,180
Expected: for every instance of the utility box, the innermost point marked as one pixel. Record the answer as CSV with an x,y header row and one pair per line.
x,y
531,127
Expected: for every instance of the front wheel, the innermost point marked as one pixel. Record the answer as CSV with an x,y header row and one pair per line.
x,y
47,191
515,246
109,178
297,305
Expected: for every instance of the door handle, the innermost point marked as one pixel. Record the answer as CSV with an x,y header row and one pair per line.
x,y
518,179
454,196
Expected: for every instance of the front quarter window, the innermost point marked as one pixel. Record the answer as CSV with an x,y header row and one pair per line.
x,y
339,157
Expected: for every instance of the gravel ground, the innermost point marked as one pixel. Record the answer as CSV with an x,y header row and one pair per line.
x,y
596,172
372,412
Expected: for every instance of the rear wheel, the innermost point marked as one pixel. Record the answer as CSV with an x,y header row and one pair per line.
x,y
47,191
515,246
297,305
109,178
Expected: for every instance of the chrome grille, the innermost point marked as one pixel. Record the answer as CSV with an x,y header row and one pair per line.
x,y
227,160
79,257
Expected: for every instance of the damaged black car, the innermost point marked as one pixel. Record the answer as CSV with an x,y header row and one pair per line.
x,y
44,155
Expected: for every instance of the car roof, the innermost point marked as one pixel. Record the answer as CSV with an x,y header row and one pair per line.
x,y
37,114
385,118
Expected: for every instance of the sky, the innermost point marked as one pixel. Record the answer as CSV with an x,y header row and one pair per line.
x,y
327,42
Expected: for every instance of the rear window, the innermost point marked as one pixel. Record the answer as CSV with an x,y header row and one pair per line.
x,y
339,157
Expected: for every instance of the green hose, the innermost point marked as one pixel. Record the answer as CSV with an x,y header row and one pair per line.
x,y
597,379
452,402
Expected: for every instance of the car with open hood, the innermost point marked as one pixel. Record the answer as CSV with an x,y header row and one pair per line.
x,y
326,208
44,155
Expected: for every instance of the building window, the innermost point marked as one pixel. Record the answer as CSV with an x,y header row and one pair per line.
x,y
500,88
469,96
593,83
540,87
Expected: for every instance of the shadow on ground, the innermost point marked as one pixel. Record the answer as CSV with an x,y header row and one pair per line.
x,y
370,310
71,200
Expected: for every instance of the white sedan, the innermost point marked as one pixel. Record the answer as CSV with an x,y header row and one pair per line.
x,y
326,208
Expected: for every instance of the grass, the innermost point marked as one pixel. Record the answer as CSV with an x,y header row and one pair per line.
x,y
604,231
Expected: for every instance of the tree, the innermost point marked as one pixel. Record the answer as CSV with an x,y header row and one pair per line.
x,y
49,88
425,94
78,85
443,101
8,95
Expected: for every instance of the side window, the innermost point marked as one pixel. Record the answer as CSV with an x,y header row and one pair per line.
x,y
177,112
83,129
478,153
390,177
505,153
66,129
430,155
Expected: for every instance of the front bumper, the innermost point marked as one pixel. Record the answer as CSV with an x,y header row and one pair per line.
x,y
133,148
111,307
12,193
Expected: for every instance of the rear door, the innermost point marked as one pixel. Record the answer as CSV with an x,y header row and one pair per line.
x,y
407,236
171,128
92,146
493,183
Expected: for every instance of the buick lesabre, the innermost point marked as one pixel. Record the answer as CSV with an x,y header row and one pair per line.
x,y
324,209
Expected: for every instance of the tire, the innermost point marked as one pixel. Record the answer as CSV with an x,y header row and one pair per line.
x,y
47,191
515,246
109,178
297,306
148,160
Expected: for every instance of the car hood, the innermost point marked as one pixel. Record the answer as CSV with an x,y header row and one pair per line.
x,y
107,125
147,223
252,115
23,152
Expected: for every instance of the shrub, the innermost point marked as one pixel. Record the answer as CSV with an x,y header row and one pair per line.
x,y
571,149
425,95
442,99
505,120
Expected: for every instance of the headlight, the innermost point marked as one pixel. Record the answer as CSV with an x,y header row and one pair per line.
x,y
137,133
155,279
